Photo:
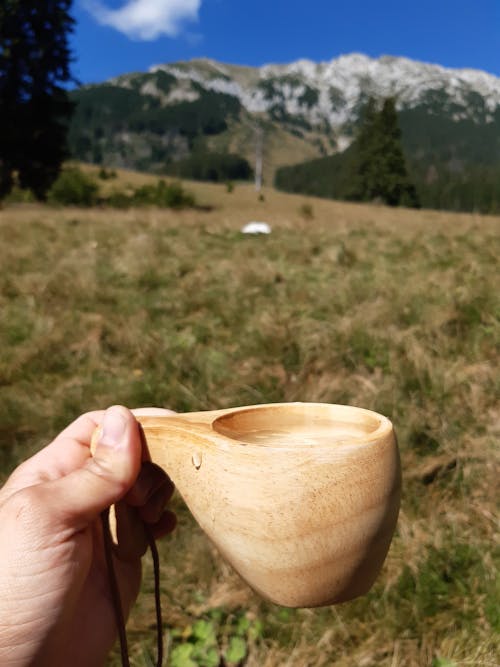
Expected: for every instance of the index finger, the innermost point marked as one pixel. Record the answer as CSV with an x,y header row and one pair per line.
x,y
67,452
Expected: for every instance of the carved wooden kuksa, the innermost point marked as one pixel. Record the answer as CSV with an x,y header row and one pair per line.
x,y
300,498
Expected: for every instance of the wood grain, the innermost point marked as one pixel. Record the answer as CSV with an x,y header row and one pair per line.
x,y
301,498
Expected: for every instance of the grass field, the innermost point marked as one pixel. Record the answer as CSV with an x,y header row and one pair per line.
x,y
393,310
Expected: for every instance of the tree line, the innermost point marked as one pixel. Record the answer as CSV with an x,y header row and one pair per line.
x,y
373,168
376,166
37,114
35,108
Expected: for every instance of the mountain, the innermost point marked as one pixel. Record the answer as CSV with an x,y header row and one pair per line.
x,y
450,118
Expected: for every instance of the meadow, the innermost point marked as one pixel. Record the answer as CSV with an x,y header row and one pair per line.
x,y
389,309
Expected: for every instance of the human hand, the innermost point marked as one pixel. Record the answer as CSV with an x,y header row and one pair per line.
x,y
55,604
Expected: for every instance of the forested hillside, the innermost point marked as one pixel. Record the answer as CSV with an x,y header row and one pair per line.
x,y
453,165
125,127
202,119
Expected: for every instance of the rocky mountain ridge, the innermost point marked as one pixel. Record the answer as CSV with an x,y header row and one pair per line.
x,y
334,91
151,121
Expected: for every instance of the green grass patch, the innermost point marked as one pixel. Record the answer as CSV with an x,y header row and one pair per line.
x,y
176,308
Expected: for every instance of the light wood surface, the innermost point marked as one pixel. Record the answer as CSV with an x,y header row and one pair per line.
x,y
300,498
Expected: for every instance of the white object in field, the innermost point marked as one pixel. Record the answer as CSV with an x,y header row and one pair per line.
x,y
256,228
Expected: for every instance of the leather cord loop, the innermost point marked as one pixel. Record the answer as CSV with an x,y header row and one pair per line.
x,y
115,592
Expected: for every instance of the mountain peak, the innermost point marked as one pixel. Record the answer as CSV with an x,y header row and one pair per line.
x,y
333,91
307,109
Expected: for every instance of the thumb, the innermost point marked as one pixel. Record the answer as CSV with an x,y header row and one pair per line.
x,y
105,477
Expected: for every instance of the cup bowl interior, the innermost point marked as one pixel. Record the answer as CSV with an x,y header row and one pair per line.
x,y
306,424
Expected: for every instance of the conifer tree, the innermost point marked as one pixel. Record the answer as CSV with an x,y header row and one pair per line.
x,y
34,105
378,168
362,165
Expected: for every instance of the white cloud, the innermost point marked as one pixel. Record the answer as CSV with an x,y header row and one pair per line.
x,y
146,19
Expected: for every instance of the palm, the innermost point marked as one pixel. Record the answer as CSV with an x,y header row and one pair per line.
x,y
90,634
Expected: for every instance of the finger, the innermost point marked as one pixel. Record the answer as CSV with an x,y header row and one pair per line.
x,y
151,478
153,509
131,541
71,447
65,454
80,429
164,526
107,476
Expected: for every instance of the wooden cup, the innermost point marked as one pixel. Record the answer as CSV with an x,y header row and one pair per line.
x,y
300,498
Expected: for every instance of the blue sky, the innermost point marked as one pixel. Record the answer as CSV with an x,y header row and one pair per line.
x,y
117,36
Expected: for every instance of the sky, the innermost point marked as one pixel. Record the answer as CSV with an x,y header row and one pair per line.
x,y
113,37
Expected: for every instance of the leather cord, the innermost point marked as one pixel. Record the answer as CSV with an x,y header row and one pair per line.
x,y
159,620
115,592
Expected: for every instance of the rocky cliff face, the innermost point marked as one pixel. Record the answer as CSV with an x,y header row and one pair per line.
x,y
306,109
333,92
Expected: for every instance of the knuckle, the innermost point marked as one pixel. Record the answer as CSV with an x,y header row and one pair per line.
x,y
100,467
107,472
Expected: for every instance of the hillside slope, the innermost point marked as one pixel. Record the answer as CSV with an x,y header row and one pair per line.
x,y
450,118
389,309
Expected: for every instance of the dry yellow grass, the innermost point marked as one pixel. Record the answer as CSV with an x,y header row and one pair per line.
x,y
390,309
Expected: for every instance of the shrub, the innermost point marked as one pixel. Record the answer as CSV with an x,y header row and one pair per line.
x,y
106,174
216,167
306,211
164,195
119,199
20,196
73,188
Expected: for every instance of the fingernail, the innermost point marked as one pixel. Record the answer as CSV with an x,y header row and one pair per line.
x,y
113,428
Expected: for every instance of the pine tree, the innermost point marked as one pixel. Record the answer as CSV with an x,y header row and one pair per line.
x,y
378,168
34,105
363,162
395,185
